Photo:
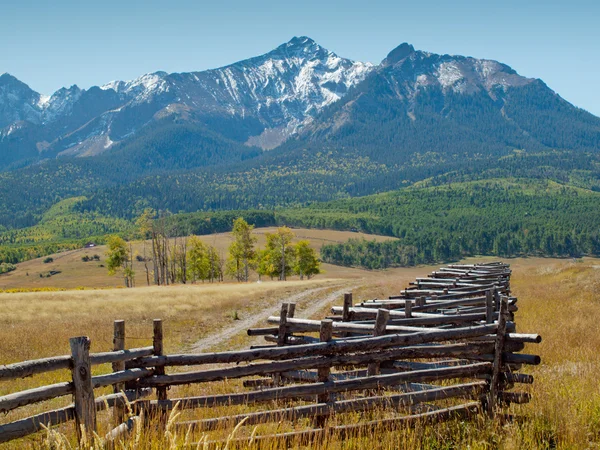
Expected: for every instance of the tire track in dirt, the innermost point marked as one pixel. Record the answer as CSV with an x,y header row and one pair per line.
x,y
307,309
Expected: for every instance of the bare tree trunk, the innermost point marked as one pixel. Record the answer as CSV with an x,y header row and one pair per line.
x,y
282,275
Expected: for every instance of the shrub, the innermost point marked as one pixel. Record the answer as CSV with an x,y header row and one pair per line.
x,y
7,267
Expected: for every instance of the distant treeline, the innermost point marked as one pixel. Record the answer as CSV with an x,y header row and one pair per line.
x,y
504,218
446,223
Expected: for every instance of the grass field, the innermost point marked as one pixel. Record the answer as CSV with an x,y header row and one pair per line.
x,y
557,298
74,273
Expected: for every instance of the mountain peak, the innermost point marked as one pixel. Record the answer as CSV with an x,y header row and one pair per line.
x,y
300,41
7,78
398,54
301,45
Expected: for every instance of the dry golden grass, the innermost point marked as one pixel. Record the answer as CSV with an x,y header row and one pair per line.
x,y
558,299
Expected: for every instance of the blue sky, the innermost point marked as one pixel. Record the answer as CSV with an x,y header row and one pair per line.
x,y
53,44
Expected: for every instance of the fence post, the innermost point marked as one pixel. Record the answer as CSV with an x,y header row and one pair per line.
x,y
346,314
325,335
383,315
489,307
158,350
291,309
119,344
498,357
282,335
85,408
282,324
347,306
407,309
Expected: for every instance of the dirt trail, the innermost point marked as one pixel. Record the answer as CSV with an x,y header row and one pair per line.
x,y
307,309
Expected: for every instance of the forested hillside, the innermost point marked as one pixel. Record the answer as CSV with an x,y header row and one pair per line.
x,y
496,217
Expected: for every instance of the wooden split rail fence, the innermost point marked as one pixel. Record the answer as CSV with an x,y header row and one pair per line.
x,y
446,338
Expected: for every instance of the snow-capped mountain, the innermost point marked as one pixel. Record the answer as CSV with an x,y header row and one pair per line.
x,y
18,102
260,101
417,103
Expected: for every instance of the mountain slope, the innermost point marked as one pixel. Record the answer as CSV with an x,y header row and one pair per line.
x,y
418,103
261,100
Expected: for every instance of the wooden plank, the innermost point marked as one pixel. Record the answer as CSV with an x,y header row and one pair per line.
x,y
85,410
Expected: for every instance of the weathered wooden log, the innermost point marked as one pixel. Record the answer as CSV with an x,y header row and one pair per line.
x,y
263,331
415,318
259,382
294,340
36,395
366,327
121,377
290,392
429,306
512,337
30,425
291,309
118,345
511,377
308,325
85,409
29,368
498,358
322,349
518,398
121,430
383,316
347,306
311,437
468,390
11,401
33,424
323,373
282,321
157,346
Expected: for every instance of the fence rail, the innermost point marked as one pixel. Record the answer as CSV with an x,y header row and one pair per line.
x,y
456,326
